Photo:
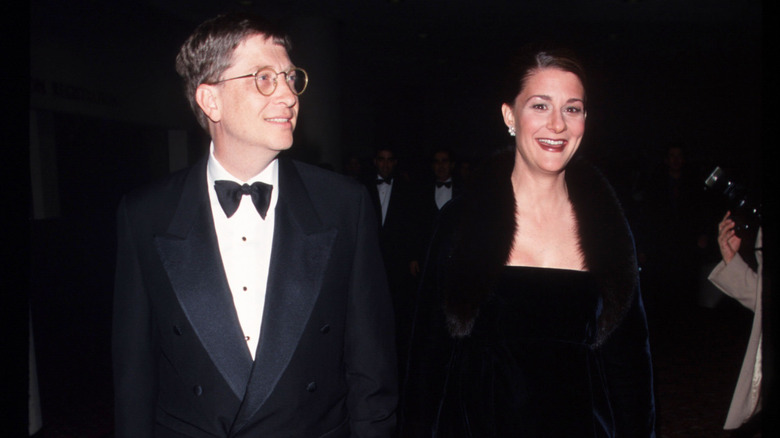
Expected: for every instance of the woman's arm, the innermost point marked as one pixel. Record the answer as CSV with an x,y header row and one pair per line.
x,y
629,375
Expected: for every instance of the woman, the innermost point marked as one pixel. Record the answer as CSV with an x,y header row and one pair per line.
x,y
736,279
542,333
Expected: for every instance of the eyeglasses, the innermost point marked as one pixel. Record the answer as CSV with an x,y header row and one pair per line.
x,y
265,80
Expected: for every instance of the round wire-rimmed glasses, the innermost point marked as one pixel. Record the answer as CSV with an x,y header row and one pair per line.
x,y
266,80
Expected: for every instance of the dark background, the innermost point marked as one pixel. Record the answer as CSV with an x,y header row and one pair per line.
x,y
411,74
417,73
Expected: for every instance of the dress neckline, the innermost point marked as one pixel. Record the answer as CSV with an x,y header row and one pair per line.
x,y
543,268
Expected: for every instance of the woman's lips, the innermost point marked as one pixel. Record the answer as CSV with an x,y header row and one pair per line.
x,y
551,145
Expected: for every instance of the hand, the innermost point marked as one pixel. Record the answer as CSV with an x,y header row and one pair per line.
x,y
727,238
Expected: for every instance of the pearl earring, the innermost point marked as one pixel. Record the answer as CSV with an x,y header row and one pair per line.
x,y
512,131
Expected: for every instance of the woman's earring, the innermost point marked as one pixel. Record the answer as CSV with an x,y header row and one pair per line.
x,y
512,131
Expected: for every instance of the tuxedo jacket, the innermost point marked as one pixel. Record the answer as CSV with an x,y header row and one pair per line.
x,y
325,363
397,232
428,213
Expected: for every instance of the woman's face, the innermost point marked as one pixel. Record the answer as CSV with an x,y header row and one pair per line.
x,y
549,118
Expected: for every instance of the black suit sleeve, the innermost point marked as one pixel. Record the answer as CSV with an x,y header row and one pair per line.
x,y
134,361
370,356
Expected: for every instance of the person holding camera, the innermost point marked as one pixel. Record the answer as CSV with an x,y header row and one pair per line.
x,y
736,279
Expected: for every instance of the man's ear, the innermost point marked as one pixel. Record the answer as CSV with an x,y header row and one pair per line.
x,y
208,100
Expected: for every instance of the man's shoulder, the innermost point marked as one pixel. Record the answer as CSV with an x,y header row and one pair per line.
x,y
318,179
160,186
164,191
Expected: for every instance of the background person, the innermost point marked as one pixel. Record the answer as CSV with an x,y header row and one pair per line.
x,y
393,199
736,279
432,196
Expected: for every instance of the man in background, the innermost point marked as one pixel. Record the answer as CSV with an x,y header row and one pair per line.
x,y
393,200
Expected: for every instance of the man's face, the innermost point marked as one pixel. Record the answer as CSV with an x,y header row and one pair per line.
x,y
442,166
248,120
385,163
675,159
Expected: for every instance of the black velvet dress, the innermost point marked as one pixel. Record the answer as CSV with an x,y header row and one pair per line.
x,y
503,351
528,369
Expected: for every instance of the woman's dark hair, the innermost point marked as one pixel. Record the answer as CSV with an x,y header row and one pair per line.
x,y
530,60
208,52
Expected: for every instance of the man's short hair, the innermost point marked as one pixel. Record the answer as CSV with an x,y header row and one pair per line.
x,y
447,151
379,149
208,52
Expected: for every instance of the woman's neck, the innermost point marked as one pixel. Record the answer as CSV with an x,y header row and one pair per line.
x,y
539,193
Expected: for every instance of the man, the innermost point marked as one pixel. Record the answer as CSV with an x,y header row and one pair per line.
x,y
394,206
385,163
392,200
443,187
432,198
235,318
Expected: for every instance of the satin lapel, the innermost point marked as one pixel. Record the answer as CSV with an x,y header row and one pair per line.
x,y
301,251
373,193
392,205
190,255
456,190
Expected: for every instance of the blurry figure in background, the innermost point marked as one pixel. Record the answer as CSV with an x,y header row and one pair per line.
x,y
433,195
463,170
671,233
735,278
444,187
353,167
393,201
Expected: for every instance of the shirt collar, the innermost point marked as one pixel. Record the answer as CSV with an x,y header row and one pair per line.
x,y
269,175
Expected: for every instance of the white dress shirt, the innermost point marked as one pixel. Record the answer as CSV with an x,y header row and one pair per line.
x,y
245,246
443,194
384,191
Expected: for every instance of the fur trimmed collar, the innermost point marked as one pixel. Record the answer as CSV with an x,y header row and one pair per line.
x,y
483,239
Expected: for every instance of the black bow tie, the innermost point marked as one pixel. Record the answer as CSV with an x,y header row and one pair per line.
x,y
386,181
229,194
447,184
